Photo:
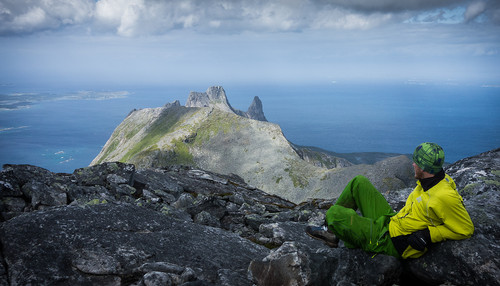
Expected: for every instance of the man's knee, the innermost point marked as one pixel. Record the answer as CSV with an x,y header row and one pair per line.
x,y
360,179
359,184
338,213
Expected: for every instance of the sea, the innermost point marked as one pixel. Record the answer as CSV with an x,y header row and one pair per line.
x,y
64,128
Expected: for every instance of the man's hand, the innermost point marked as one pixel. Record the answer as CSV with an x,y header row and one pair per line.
x,y
419,240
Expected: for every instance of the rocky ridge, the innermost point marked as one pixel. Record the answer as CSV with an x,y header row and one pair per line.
x,y
215,96
209,134
113,224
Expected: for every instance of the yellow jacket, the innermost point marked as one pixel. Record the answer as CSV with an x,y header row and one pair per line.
x,y
440,209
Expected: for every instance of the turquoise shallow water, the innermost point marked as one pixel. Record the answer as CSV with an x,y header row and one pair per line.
x,y
62,129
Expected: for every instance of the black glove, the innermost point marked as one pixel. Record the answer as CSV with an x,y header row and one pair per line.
x,y
421,239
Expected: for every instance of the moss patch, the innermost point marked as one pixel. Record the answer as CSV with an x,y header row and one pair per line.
x,y
278,180
495,172
182,156
218,122
167,122
468,190
492,182
108,150
297,174
96,202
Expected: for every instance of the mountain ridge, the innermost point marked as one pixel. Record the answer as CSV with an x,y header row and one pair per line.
x,y
208,133
215,96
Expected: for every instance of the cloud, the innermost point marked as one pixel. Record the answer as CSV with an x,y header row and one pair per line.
x,y
474,10
27,16
385,6
132,18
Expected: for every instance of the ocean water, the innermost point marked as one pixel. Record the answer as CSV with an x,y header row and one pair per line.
x,y
62,129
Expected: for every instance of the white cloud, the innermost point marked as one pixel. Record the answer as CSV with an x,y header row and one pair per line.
x,y
147,17
142,17
27,16
338,19
121,16
32,18
130,20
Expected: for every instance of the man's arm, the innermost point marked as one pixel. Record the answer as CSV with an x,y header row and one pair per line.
x,y
456,222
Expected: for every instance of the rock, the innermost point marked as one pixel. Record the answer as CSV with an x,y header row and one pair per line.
x,y
474,175
469,262
172,104
116,243
286,265
215,96
105,174
105,235
255,111
294,263
117,225
321,158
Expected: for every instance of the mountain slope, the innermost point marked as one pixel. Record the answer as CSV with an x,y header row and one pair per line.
x,y
211,135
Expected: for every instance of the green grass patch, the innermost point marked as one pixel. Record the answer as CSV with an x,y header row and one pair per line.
x,y
167,122
296,174
218,122
182,156
108,150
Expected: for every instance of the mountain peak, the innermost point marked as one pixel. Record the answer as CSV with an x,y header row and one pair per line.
x,y
255,110
215,96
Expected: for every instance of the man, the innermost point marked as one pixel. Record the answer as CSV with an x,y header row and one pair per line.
x,y
433,212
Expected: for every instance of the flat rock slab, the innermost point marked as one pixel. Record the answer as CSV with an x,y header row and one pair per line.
x,y
114,244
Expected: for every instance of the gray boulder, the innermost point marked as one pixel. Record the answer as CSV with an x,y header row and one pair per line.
x,y
301,260
117,244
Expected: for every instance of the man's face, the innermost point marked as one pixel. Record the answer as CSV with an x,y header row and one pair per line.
x,y
419,173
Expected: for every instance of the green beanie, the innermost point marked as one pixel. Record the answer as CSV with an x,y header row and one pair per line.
x,y
429,157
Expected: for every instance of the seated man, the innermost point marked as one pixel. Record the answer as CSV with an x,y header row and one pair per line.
x,y
433,212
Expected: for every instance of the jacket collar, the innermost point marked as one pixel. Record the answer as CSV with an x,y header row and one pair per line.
x,y
428,183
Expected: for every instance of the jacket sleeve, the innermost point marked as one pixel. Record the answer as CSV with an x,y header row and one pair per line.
x,y
455,220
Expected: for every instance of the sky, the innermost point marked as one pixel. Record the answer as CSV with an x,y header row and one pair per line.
x,y
153,42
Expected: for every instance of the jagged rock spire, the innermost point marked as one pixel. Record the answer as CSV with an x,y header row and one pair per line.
x,y
255,111
215,96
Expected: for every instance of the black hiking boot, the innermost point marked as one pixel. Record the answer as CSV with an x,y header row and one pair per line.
x,y
322,233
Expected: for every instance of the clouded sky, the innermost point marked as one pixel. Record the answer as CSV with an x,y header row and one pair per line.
x,y
249,41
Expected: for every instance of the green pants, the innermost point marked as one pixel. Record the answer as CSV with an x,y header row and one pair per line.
x,y
368,231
